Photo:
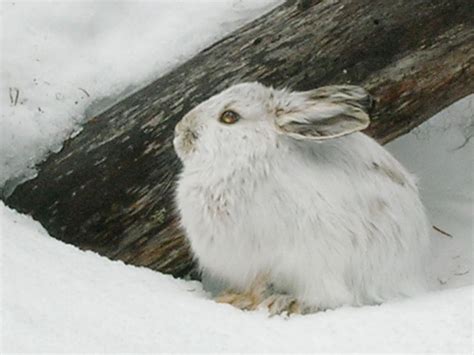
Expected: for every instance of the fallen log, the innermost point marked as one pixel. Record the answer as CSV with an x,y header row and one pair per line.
x,y
110,189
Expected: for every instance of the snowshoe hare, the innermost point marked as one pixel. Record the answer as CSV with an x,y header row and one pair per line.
x,y
283,199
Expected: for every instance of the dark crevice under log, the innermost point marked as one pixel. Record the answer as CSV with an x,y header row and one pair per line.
x,y
110,189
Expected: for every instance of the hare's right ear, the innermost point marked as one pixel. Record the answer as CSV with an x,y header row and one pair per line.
x,y
324,113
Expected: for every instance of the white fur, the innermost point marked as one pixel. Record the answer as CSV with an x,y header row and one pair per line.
x,y
333,222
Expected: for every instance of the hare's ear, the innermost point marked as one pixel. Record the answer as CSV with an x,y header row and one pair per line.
x,y
324,113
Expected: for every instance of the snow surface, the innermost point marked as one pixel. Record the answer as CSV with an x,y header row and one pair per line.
x,y
63,62
58,298
441,154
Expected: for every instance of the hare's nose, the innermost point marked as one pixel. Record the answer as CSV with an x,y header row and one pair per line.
x,y
178,128
188,122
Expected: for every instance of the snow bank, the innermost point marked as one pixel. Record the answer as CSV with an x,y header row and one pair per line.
x,y
58,298
63,62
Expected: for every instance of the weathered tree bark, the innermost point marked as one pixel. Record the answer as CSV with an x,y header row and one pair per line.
x,y
110,189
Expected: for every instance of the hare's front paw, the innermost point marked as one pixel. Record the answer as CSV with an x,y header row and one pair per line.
x,y
279,304
245,301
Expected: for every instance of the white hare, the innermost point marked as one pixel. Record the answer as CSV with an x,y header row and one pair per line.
x,y
283,199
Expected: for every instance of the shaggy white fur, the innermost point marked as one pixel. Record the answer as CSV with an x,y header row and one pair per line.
x,y
290,191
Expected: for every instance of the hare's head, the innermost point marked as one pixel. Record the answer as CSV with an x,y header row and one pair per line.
x,y
248,119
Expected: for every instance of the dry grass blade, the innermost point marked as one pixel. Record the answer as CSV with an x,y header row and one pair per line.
x,y
442,232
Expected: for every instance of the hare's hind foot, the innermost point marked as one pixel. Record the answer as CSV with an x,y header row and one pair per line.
x,y
282,304
249,299
261,294
244,301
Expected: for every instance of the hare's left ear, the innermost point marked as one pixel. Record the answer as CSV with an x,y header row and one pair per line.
x,y
324,113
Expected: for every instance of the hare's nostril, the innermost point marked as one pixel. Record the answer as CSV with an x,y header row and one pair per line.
x,y
189,134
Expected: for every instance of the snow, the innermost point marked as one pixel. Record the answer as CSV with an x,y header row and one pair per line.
x,y
441,155
63,62
56,298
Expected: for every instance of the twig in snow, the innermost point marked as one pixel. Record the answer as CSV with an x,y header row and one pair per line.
x,y
14,95
468,131
461,273
442,282
442,232
466,140
85,92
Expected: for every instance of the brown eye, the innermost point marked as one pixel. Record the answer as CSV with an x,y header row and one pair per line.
x,y
229,117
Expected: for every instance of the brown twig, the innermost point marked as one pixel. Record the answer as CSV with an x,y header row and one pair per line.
x,y
85,92
442,282
14,95
442,232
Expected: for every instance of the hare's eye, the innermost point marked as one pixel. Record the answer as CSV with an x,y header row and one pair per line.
x,y
229,117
